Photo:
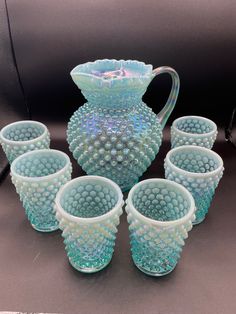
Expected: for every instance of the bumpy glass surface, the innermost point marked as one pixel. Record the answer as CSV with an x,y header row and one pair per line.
x,y
114,134
38,194
89,245
156,249
19,138
197,131
194,160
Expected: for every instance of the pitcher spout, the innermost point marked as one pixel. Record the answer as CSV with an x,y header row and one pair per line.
x,y
112,79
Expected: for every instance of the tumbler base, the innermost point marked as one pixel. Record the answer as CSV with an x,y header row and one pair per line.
x,y
88,270
154,274
51,229
197,222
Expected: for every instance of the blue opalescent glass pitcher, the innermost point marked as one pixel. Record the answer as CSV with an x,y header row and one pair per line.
x,y
115,134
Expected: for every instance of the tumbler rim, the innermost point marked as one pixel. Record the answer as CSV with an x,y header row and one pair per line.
x,y
155,222
42,178
95,219
32,141
212,123
198,148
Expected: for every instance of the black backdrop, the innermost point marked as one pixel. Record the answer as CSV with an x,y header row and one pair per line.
x,y
42,40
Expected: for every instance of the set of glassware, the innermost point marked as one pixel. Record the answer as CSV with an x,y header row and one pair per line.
x,y
115,145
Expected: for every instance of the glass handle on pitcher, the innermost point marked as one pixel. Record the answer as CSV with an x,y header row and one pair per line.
x,y
164,114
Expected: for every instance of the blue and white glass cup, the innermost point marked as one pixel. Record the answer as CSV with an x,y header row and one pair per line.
x,y
160,214
199,169
37,176
23,136
193,130
89,209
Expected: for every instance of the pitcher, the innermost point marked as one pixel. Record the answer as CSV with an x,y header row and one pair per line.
x,y
115,134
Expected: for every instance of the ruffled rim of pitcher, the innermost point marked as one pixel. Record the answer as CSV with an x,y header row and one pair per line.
x,y
146,73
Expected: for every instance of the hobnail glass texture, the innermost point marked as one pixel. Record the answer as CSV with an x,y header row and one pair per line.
x,y
37,176
115,134
89,209
193,130
23,136
160,214
199,169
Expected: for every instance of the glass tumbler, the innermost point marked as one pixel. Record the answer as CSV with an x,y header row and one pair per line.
x,y
37,176
23,136
199,169
160,214
89,209
193,130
